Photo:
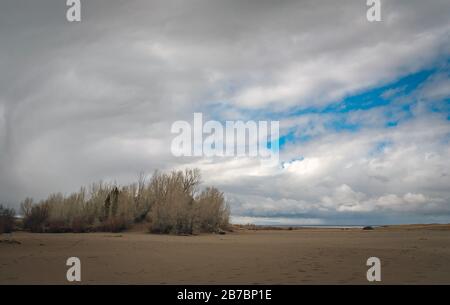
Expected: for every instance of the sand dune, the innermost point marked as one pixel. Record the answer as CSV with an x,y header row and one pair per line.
x,y
412,254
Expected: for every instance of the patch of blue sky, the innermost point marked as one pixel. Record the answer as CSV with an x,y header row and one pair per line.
x,y
442,106
291,137
380,147
340,123
365,100
391,124
396,113
385,95
286,138
397,98
376,97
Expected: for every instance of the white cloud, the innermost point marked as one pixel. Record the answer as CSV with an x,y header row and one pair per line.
x,y
345,173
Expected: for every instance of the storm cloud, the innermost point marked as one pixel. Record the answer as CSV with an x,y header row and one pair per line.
x,y
363,106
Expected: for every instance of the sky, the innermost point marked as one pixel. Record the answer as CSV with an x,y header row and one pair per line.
x,y
364,107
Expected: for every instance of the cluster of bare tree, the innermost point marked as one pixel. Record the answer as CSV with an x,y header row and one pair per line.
x,y
168,202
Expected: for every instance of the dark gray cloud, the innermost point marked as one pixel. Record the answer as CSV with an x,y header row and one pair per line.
x,y
95,100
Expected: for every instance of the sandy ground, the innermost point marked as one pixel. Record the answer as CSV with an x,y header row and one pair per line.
x,y
304,256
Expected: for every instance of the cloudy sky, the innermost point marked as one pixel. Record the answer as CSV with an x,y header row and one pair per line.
x,y
364,108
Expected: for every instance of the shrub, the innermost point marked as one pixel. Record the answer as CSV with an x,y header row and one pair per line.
x,y
168,201
79,225
36,220
175,209
213,214
6,219
57,226
172,207
115,224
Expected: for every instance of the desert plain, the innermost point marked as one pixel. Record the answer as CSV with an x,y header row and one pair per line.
x,y
413,254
